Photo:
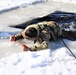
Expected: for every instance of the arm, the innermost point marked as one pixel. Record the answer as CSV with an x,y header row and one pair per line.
x,y
16,37
43,45
44,36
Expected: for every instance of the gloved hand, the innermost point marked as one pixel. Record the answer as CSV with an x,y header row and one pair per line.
x,y
24,47
12,38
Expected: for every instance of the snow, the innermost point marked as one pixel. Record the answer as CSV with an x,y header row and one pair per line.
x,y
8,4
42,63
67,1
56,60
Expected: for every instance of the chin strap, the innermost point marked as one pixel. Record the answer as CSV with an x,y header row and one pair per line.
x,y
68,48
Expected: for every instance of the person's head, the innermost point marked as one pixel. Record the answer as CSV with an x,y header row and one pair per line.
x,y
31,32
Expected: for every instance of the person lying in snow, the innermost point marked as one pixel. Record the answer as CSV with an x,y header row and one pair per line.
x,y
42,32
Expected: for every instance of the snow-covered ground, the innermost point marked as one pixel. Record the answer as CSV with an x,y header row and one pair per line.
x,y
56,60
68,1
9,4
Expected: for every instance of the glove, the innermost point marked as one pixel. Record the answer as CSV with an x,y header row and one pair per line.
x,y
24,47
12,38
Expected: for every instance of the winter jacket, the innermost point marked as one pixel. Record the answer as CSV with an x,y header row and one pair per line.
x,y
46,31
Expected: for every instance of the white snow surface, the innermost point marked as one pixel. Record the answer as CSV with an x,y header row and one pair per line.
x,y
67,1
39,63
56,60
8,4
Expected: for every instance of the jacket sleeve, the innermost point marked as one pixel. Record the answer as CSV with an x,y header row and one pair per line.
x,y
18,36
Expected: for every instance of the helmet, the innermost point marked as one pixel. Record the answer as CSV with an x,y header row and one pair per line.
x,y
31,32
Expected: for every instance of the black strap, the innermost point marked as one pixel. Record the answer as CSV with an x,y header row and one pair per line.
x,y
68,48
